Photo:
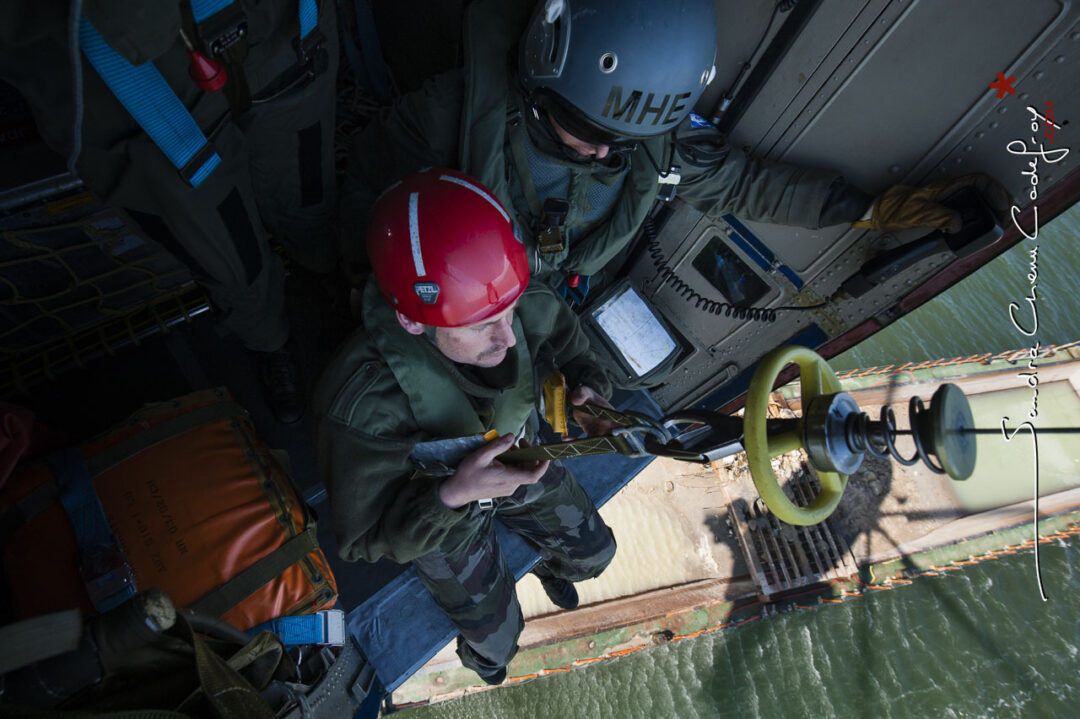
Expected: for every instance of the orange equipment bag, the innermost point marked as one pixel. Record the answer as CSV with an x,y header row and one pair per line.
x,y
199,507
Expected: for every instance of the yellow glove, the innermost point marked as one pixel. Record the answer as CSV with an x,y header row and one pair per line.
x,y
903,206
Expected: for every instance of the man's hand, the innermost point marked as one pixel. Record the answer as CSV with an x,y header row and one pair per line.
x,y
593,426
481,476
902,206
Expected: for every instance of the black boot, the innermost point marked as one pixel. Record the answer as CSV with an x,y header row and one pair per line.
x,y
484,667
495,678
281,385
561,592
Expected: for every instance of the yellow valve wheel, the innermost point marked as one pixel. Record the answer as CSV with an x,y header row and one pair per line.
x,y
815,378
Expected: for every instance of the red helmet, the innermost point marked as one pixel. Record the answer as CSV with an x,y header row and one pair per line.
x,y
444,250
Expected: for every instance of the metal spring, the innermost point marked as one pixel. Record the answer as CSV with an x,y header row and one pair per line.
x,y
858,434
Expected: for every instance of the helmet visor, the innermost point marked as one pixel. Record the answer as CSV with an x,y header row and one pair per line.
x,y
574,121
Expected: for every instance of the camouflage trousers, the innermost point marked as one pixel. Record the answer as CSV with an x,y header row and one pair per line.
x,y
473,584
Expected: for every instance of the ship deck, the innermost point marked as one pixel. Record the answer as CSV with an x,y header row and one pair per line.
x,y
680,570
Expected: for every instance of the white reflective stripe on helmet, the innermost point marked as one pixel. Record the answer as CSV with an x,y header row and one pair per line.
x,y
479,191
414,235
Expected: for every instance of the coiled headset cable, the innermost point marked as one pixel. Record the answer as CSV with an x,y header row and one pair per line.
x,y
669,277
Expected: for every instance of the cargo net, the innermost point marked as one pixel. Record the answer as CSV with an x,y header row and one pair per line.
x,y
78,281
783,557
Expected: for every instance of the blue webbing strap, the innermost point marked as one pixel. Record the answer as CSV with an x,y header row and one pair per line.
x,y
146,95
202,9
309,17
306,629
108,577
363,52
324,627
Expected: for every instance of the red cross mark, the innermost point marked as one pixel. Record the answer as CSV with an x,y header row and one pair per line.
x,y
1003,85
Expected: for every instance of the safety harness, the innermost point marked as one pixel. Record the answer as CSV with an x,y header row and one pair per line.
x,y
689,435
221,29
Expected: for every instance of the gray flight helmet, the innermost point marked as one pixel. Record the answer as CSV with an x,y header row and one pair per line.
x,y
630,68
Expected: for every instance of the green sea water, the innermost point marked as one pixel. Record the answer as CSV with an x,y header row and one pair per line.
x,y
977,643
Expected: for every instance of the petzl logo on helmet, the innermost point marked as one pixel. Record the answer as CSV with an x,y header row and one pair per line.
x,y
616,109
428,292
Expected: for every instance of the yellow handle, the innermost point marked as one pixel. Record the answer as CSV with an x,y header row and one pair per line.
x,y
815,378
555,402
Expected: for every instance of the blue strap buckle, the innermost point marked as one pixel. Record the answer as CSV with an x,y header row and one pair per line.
x,y
323,627
193,172
108,578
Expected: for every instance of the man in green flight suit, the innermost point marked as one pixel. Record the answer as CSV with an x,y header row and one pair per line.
x,y
574,111
454,339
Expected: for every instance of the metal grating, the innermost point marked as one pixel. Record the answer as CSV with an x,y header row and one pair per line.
x,y
19,373
782,557
79,280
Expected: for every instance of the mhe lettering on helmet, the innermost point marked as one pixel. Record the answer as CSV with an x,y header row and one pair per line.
x,y
633,68
615,108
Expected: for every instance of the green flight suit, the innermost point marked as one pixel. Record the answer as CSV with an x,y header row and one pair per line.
x,y
277,158
387,390
468,119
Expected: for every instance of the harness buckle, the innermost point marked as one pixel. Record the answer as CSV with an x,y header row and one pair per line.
x,y
325,627
669,183
700,436
552,218
200,165
107,576
222,30
635,437
311,52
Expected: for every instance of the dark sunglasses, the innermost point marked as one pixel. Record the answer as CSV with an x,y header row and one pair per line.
x,y
574,122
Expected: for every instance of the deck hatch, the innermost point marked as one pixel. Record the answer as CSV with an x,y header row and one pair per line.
x,y
782,557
